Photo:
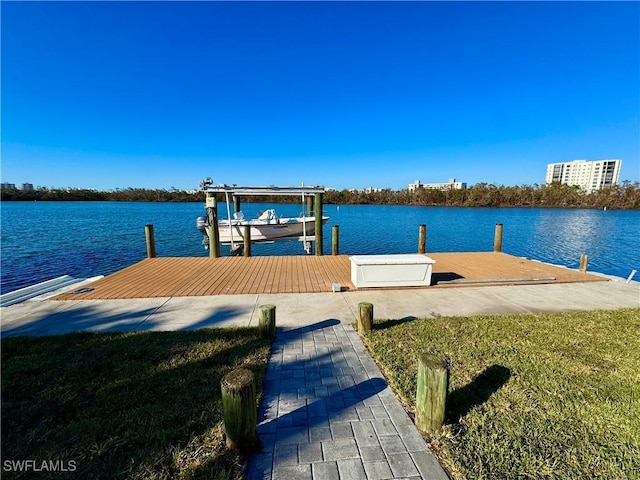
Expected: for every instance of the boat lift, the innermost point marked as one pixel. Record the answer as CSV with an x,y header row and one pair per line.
x,y
236,191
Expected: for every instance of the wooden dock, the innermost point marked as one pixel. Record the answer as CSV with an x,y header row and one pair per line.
x,y
202,276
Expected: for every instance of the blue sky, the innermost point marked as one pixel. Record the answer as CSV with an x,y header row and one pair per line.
x,y
162,94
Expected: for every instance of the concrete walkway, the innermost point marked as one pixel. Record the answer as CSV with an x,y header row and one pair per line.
x,y
327,412
40,316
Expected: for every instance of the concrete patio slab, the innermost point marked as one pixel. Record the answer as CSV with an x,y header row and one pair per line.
x,y
55,318
190,313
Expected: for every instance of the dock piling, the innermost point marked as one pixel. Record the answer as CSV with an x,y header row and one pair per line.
x,y
151,242
497,239
584,262
335,239
422,239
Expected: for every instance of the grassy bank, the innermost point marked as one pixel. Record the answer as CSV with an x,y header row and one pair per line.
x,y
124,405
531,396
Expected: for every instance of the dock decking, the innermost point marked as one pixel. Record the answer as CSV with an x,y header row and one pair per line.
x,y
202,276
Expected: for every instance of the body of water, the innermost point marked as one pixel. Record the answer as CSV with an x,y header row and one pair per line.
x,y
43,240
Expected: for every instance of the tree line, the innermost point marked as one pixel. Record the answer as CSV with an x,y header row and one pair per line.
x,y
86,195
487,195
624,197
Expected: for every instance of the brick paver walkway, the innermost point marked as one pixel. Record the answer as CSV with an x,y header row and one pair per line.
x,y
327,413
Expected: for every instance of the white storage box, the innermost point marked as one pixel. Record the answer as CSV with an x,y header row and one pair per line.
x,y
401,270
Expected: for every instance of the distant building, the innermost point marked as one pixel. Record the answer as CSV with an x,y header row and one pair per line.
x,y
8,186
588,175
27,187
415,186
451,185
365,190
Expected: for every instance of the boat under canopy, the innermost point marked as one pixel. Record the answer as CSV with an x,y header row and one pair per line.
x,y
268,226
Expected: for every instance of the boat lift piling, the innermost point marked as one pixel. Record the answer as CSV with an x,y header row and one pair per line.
x,y
212,220
309,206
247,240
318,229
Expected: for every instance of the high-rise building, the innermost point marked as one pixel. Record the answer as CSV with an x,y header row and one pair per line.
x,y
590,176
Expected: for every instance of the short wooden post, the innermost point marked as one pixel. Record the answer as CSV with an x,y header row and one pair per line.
x,y
431,395
239,409
267,321
212,220
584,262
236,204
151,242
365,318
246,234
318,229
497,239
422,239
335,240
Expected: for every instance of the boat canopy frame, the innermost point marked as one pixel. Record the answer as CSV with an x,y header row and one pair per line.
x,y
266,191
302,191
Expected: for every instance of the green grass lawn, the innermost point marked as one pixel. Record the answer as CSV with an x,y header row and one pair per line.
x,y
531,396
124,405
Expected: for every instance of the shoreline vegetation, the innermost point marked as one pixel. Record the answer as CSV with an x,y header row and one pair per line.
x,y
555,195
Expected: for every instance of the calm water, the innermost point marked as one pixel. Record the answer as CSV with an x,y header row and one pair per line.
x,y
43,240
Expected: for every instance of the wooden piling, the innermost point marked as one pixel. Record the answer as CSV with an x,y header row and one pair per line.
x,y
236,204
267,321
422,239
497,239
335,240
309,206
584,262
431,394
365,318
212,216
318,229
239,409
246,233
151,242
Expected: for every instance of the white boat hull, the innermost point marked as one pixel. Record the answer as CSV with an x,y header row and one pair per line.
x,y
263,231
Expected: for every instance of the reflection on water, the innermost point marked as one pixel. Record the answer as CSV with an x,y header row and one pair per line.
x,y
43,240
609,238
